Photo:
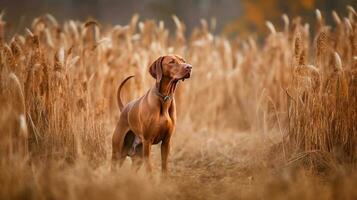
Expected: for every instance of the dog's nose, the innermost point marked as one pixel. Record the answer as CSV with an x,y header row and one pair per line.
x,y
188,66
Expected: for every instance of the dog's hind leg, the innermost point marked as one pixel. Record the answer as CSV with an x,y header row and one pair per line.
x,y
120,132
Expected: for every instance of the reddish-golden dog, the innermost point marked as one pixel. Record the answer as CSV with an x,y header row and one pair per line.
x,y
151,118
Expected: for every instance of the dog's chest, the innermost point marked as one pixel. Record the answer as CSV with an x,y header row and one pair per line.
x,y
164,127
166,124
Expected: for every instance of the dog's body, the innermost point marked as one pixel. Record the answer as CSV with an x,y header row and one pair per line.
x,y
151,118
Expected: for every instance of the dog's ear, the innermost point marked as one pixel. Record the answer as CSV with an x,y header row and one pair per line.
x,y
156,69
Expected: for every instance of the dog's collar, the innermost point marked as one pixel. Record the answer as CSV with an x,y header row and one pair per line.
x,y
164,97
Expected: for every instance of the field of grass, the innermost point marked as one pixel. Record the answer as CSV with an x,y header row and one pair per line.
x,y
271,120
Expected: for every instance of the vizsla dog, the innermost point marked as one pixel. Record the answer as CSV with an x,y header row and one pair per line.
x,y
151,118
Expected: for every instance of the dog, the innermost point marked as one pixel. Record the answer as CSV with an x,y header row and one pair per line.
x,y
151,118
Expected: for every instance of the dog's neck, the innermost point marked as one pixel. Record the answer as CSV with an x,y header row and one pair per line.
x,y
166,87
164,92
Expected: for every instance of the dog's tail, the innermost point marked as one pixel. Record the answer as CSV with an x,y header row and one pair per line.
x,y
120,103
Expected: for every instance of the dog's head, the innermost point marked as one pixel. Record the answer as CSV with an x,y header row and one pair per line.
x,y
173,67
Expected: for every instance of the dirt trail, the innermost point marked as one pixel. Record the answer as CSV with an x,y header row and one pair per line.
x,y
205,163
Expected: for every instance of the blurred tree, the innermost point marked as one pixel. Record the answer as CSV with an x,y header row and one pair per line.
x,y
257,12
234,17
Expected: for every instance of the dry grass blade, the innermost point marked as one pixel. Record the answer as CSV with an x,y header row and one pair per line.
x,y
270,27
352,10
338,62
336,18
29,32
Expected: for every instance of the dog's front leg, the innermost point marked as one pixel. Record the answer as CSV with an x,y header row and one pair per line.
x,y
146,153
165,150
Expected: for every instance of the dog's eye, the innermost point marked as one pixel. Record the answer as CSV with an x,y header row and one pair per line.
x,y
172,61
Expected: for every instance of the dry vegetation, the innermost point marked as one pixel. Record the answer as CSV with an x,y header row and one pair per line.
x,y
256,121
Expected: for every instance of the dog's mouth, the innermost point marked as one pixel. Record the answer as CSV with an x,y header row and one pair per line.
x,y
186,76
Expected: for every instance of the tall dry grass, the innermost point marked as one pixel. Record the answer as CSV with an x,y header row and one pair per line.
x,y
322,108
293,96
